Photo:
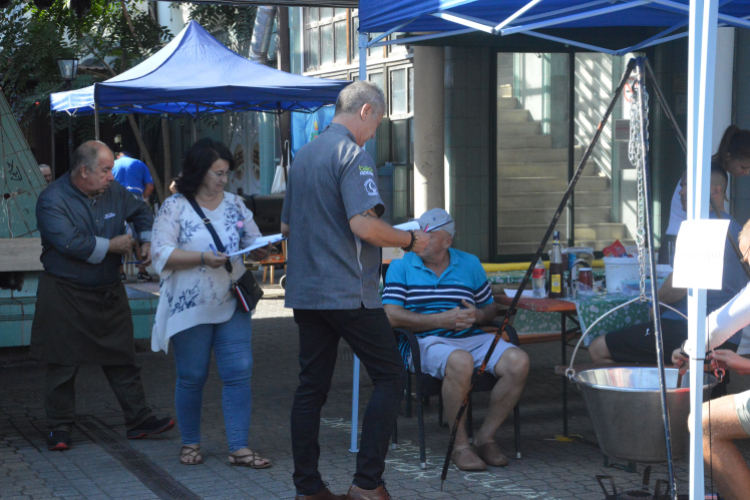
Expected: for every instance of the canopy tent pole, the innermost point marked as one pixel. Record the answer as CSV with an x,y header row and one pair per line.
x,y
52,145
194,132
701,73
96,121
649,241
70,141
354,448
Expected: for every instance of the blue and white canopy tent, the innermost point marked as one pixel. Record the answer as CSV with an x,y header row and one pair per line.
x,y
560,21
195,74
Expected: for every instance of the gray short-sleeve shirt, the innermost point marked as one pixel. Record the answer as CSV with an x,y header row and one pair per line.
x,y
330,181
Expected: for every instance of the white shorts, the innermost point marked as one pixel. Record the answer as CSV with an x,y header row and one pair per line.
x,y
742,406
435,350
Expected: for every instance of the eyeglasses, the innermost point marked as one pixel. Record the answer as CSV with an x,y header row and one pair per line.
x,y
224,174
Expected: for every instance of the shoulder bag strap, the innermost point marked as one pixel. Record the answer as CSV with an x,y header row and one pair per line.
x,y
219,245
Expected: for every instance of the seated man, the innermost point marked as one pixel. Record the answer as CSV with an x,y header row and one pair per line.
x,y
726,419
636,344
442,295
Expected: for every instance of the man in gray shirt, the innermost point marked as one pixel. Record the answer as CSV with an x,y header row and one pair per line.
x,y
82,312
332,215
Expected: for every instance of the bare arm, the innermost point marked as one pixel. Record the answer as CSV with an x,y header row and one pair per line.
x,y
147,190
374,231
182,259
668,294
453,319
285,230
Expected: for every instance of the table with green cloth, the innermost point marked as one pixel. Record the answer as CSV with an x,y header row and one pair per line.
x,y
589,309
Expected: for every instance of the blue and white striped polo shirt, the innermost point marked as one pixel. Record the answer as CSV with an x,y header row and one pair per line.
x,y
413,286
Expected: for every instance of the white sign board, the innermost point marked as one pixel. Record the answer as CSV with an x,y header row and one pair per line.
x,y
699,257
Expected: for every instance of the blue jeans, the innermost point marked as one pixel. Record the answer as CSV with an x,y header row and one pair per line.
x,y
232,344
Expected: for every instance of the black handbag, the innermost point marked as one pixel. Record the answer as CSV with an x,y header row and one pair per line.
x,y
246,288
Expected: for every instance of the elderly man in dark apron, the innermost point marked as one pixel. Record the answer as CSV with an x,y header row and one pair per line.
x,y
82,312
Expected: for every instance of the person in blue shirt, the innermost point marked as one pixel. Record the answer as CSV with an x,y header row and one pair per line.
x,y
634,345
443,296
134,176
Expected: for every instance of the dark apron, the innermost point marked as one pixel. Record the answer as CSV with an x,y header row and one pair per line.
x,y
76,325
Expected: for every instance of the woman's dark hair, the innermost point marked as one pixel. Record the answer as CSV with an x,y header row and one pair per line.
x,y
735,144
198,161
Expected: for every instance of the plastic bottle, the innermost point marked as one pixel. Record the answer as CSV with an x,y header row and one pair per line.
x,y
556,269
538,279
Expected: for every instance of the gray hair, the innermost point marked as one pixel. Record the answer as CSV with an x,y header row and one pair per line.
x,y
356,95
87,155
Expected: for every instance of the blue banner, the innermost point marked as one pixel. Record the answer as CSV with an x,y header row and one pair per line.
x,y
307,126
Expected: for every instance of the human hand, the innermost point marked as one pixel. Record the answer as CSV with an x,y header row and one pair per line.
x,y
122,244
214,260
261,253
680,361
459,319
145,257
423,239
729,360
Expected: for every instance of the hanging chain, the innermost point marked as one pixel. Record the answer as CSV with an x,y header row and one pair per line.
x,y
636,156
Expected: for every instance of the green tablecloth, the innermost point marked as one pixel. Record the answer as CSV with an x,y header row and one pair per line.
x,y
515,277
592,308
589,310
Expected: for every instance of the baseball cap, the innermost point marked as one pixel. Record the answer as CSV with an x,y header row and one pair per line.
x,y
436,217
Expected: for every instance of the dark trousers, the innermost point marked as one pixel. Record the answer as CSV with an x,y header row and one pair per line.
x,y
370,336
60,394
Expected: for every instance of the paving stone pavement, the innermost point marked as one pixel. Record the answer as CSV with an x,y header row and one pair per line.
x,y
98,467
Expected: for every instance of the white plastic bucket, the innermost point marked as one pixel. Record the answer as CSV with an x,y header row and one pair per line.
x,y
619,269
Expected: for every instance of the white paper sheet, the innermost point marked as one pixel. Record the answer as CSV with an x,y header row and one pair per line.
x,y
260,242
526,294
412,225
699,256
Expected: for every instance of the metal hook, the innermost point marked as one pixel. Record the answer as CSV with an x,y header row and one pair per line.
x,y
719,374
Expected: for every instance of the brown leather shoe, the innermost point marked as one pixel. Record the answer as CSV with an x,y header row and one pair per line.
x,y
467,459
491,454
323,494
357,493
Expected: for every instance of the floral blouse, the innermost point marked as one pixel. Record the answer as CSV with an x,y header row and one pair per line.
x,y
198,295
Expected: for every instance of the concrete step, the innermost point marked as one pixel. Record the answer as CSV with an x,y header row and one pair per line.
x,y
524,128
606,231
529,247
583,215
536,200
540,169
524,141
505,102
513,115
543,185
515,155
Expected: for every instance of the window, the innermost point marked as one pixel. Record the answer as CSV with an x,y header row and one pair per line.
x,y
411,90
376,78
398,92
402,147
325,37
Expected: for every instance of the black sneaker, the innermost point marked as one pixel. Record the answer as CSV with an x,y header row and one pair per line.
x,y
144,278
151,426
58,441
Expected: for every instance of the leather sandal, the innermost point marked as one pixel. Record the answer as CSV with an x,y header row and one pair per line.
x,y
250,459
491,454
466,459
191,455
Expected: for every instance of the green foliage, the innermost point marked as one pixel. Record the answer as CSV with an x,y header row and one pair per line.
x,y
32,39
232,24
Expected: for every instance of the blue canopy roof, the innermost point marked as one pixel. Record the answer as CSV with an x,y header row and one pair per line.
x,y
505,17
195,73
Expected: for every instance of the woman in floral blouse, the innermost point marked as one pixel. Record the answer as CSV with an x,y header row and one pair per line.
x,y
197,309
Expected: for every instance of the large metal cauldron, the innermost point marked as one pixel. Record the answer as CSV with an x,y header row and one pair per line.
x,y
625,406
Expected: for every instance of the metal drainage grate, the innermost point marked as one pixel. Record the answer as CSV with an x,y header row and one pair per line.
x,y
146,470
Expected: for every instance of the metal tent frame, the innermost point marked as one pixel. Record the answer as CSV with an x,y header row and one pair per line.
x,y
702,19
